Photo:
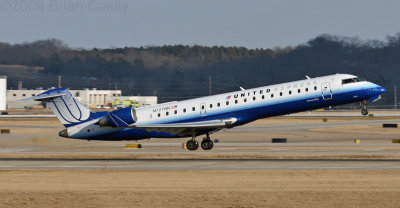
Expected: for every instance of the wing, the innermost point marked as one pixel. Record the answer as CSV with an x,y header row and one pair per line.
x,y
189,128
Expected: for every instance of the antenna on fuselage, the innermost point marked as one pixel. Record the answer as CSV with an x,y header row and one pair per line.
x,y
241,88
308,77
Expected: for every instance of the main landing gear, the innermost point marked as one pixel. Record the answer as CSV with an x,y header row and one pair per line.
x,y
364,110
206,144
192,144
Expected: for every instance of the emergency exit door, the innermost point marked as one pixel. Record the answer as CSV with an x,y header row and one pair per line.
x,y
203,110
326,91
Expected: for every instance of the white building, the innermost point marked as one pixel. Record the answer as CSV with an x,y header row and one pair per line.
x,y
141,100
3,89
95,97
89,97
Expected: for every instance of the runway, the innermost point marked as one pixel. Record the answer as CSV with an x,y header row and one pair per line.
x,y
246,147
319,162
194,164
307,126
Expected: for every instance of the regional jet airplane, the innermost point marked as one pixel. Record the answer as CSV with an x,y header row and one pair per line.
x,y
206,115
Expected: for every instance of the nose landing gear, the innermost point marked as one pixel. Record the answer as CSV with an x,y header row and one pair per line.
x,y
364,110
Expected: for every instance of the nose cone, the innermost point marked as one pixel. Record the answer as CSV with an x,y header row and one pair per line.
x,y
381,90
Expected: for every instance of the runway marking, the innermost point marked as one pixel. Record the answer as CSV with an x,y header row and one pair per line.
x,y
195,160
200,164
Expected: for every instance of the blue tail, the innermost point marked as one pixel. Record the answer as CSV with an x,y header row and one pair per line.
x,y
68,110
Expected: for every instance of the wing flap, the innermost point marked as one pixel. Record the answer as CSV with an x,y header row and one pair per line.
x,y
187,129
197,125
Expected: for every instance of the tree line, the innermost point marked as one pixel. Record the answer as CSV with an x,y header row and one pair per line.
x,y
180,71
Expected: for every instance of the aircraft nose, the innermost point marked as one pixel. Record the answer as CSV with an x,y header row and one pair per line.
x,y
381,89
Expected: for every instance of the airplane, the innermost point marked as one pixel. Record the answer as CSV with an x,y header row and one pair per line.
x,y
207,115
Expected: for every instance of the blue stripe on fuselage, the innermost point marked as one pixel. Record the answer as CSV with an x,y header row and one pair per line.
x,y
247,113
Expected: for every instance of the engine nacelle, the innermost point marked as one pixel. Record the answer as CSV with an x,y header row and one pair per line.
x,y
119,118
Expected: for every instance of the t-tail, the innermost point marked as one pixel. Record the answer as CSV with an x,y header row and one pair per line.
x,y
68,110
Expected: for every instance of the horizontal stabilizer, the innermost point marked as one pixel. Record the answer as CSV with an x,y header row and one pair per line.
x,y
50,94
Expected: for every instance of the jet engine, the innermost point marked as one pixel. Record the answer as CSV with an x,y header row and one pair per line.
x,y
119,118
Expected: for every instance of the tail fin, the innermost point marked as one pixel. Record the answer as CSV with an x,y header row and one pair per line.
x,y
68,110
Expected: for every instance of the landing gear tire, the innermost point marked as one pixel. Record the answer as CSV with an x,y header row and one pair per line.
x,y
192,145
207,144
364,112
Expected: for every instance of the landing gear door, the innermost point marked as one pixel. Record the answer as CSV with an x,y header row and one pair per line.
x,y
326,91
203,110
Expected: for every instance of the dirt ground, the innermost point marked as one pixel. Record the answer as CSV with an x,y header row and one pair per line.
x,y
200,188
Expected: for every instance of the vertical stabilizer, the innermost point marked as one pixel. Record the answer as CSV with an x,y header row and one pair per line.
x,y
68,110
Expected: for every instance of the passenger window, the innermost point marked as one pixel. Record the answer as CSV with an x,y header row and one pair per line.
x,y
298,91
193,109
280,93
236,101
315,87
272,95
158,114
210,105
290,92
227,102
184,110
175,111
245,100
307,89
167,113
202,107
254,98
218,104
263,97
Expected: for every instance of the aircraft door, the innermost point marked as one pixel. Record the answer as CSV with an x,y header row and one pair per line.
x,y
326,91
203,110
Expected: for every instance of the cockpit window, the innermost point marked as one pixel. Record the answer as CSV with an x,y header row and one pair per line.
x,y
352,80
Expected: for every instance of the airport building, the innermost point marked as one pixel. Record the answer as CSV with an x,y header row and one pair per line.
x,y
89,97
3,89
140,100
